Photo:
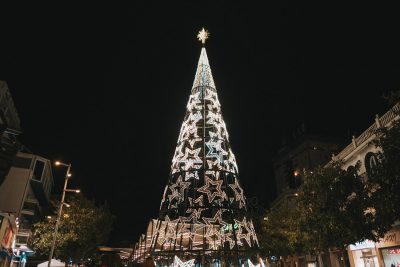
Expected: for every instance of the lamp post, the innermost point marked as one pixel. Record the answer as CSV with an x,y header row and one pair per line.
x,y
67,176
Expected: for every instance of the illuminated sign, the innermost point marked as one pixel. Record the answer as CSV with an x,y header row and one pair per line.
x,y
394,251
361,245
228,227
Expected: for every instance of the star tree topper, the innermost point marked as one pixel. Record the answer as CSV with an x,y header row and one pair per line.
x,y
203,35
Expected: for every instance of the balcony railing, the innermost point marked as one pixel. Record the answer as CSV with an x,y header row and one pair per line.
x,y
382,121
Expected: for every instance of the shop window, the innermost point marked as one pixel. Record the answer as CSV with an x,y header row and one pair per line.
x,y
391,256
22,239
364,254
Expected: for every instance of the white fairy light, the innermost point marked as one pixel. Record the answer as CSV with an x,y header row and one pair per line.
x,y
238,191
179,263
244,225
178,190
208,187
198,202
192,174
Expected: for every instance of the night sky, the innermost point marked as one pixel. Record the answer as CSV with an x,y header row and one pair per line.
x,y
105,87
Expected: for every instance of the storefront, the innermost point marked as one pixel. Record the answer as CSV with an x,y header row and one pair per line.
x,y
363,254
389,249
7,232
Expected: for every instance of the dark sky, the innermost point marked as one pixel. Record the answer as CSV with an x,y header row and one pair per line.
x,y
104,87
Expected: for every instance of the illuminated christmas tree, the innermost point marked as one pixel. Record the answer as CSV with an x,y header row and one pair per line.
x,y
203,209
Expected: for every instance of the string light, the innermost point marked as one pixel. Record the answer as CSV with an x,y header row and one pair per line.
x,y
238,191
179,263
207,189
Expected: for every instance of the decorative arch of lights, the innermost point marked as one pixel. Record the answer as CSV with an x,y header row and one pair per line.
x,y
202,219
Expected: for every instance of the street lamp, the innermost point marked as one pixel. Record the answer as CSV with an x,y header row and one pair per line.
x,y
67,176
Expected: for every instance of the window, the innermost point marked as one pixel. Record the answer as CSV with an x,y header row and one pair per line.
x,y
38,170
370,163
22,239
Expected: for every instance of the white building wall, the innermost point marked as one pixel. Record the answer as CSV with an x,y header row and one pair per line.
x,y
13,190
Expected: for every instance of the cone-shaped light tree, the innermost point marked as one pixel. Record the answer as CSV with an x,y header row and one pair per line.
x,y
203,210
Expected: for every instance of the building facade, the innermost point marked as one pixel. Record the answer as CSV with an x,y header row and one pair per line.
x,y
26,182
305,152
25,192
8,231
385,253
360,150
9,129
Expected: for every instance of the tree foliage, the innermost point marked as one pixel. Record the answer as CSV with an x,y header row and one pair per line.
x,y
330,211
384,178
280,233
337,207
83,226
334,203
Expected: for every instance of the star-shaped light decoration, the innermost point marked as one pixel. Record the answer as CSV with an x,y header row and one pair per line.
x,y
179,263
211,186
215,150
167,231
244,231
193,174
253,232
203,35
194,102
237,189
213,225
191,159
190,225
195,205
214,164
213,174
178,189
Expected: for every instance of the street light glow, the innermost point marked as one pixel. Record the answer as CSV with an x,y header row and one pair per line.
x,y
67,175
72,190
